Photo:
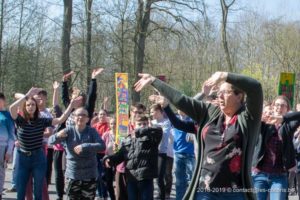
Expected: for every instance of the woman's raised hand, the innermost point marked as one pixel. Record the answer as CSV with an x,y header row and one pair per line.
x,y
33,91
216,78
96,72
146,79
67,76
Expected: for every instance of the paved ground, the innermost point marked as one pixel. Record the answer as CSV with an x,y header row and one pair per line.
x,y
52,193
12,196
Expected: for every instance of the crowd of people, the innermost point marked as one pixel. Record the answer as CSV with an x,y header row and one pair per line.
x,y
223,143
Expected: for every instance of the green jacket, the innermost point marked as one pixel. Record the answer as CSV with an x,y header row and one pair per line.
x,y
249,120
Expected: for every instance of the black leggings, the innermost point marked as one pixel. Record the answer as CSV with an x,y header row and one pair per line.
x,y
109,179
162,161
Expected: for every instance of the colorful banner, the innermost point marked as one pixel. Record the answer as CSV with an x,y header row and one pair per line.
x,y
122,103
287,86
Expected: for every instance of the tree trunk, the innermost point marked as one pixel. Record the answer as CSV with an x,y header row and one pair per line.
x,y
1,48
88,7
225,9
122,45
66,35
143,20
17,64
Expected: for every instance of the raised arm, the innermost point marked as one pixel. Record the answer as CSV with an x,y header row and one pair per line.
x,y
55,94
65,90
197,110
74,103
205,91
186,126
13,109
253,90
291,116
92,92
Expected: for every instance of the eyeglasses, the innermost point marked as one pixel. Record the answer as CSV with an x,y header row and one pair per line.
x,y
81,115
281,105
142,123
224,92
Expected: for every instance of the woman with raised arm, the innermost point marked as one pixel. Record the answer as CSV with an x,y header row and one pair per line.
x,y
30,131
227,134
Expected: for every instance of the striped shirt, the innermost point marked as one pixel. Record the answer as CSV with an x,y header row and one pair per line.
x,y
30,134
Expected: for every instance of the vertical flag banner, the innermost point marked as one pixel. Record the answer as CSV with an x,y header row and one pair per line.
x,y
287,86
122,103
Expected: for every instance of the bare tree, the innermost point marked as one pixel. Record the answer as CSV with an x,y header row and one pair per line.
x,y
171,8
225,8
88,7
66,36
143,20
1,38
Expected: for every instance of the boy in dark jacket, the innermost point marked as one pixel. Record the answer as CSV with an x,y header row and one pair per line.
x,y
140,153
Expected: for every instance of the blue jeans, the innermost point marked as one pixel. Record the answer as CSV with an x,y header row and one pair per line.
x,y
220,196
35,165
276,184
15,165
140,190
184,168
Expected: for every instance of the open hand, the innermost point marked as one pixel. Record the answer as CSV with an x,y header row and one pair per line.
x,y
55,85
67,76
216,78
206,88
33,91
96,72
145,80
77,102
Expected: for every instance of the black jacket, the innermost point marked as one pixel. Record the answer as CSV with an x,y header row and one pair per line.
x,y
140,154
290,123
